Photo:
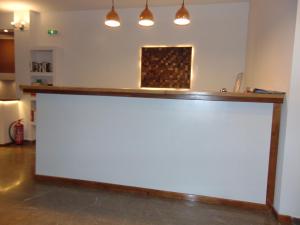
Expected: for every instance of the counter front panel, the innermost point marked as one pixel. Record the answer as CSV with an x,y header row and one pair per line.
x,y
217,149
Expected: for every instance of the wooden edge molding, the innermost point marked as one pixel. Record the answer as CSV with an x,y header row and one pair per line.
x,y
6,144
162,94
26,142
150,192
31,142
275,132
283,219
9,100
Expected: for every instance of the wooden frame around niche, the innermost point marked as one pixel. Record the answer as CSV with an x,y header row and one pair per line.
x,y
167,67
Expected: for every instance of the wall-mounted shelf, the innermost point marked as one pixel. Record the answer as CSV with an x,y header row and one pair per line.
x,y
42,71
43,79
43,65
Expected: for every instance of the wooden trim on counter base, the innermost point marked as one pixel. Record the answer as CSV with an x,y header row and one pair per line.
x,y
275,132
6,144
9,100
150,192
283,219
26,142
162,94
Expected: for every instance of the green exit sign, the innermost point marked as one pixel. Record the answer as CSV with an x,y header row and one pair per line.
x,y
52,32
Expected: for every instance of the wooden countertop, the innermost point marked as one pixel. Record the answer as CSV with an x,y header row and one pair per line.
x,y
163,94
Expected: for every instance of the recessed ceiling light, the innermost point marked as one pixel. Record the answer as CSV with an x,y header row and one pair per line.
x,y
6,31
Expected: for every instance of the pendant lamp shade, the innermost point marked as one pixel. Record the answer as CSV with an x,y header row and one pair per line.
x,y
182,16
112,17
146,17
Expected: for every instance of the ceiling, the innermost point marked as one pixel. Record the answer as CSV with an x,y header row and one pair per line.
x,y
73,5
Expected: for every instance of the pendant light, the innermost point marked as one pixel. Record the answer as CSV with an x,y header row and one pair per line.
x,y
182,16
146,17
112,18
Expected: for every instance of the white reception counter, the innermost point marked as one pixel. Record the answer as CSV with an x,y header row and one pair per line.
x,y
179,147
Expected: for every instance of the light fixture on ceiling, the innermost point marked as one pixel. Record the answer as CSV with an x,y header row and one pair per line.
x,y
18,26
5,31
182,16
146,17
21,20
112,17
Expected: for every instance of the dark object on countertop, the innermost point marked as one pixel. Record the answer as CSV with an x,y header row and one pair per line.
x,y
223,90
262,91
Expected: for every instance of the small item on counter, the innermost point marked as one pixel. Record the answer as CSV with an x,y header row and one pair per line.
x,y
249,90
238,82
262,91
223,90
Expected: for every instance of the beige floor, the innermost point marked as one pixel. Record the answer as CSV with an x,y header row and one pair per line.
x,y
25,202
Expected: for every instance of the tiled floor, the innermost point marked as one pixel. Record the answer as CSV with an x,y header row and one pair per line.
x,y
25,202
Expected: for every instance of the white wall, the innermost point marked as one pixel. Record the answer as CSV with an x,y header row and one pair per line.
x,y
23,43
270,43
7,89
95,55
288,190
270,62
218,149
9,112
5,19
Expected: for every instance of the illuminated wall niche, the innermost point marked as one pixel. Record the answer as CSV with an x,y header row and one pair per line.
x,y
166,67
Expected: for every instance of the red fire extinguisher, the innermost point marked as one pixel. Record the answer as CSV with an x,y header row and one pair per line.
x,y
16,132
